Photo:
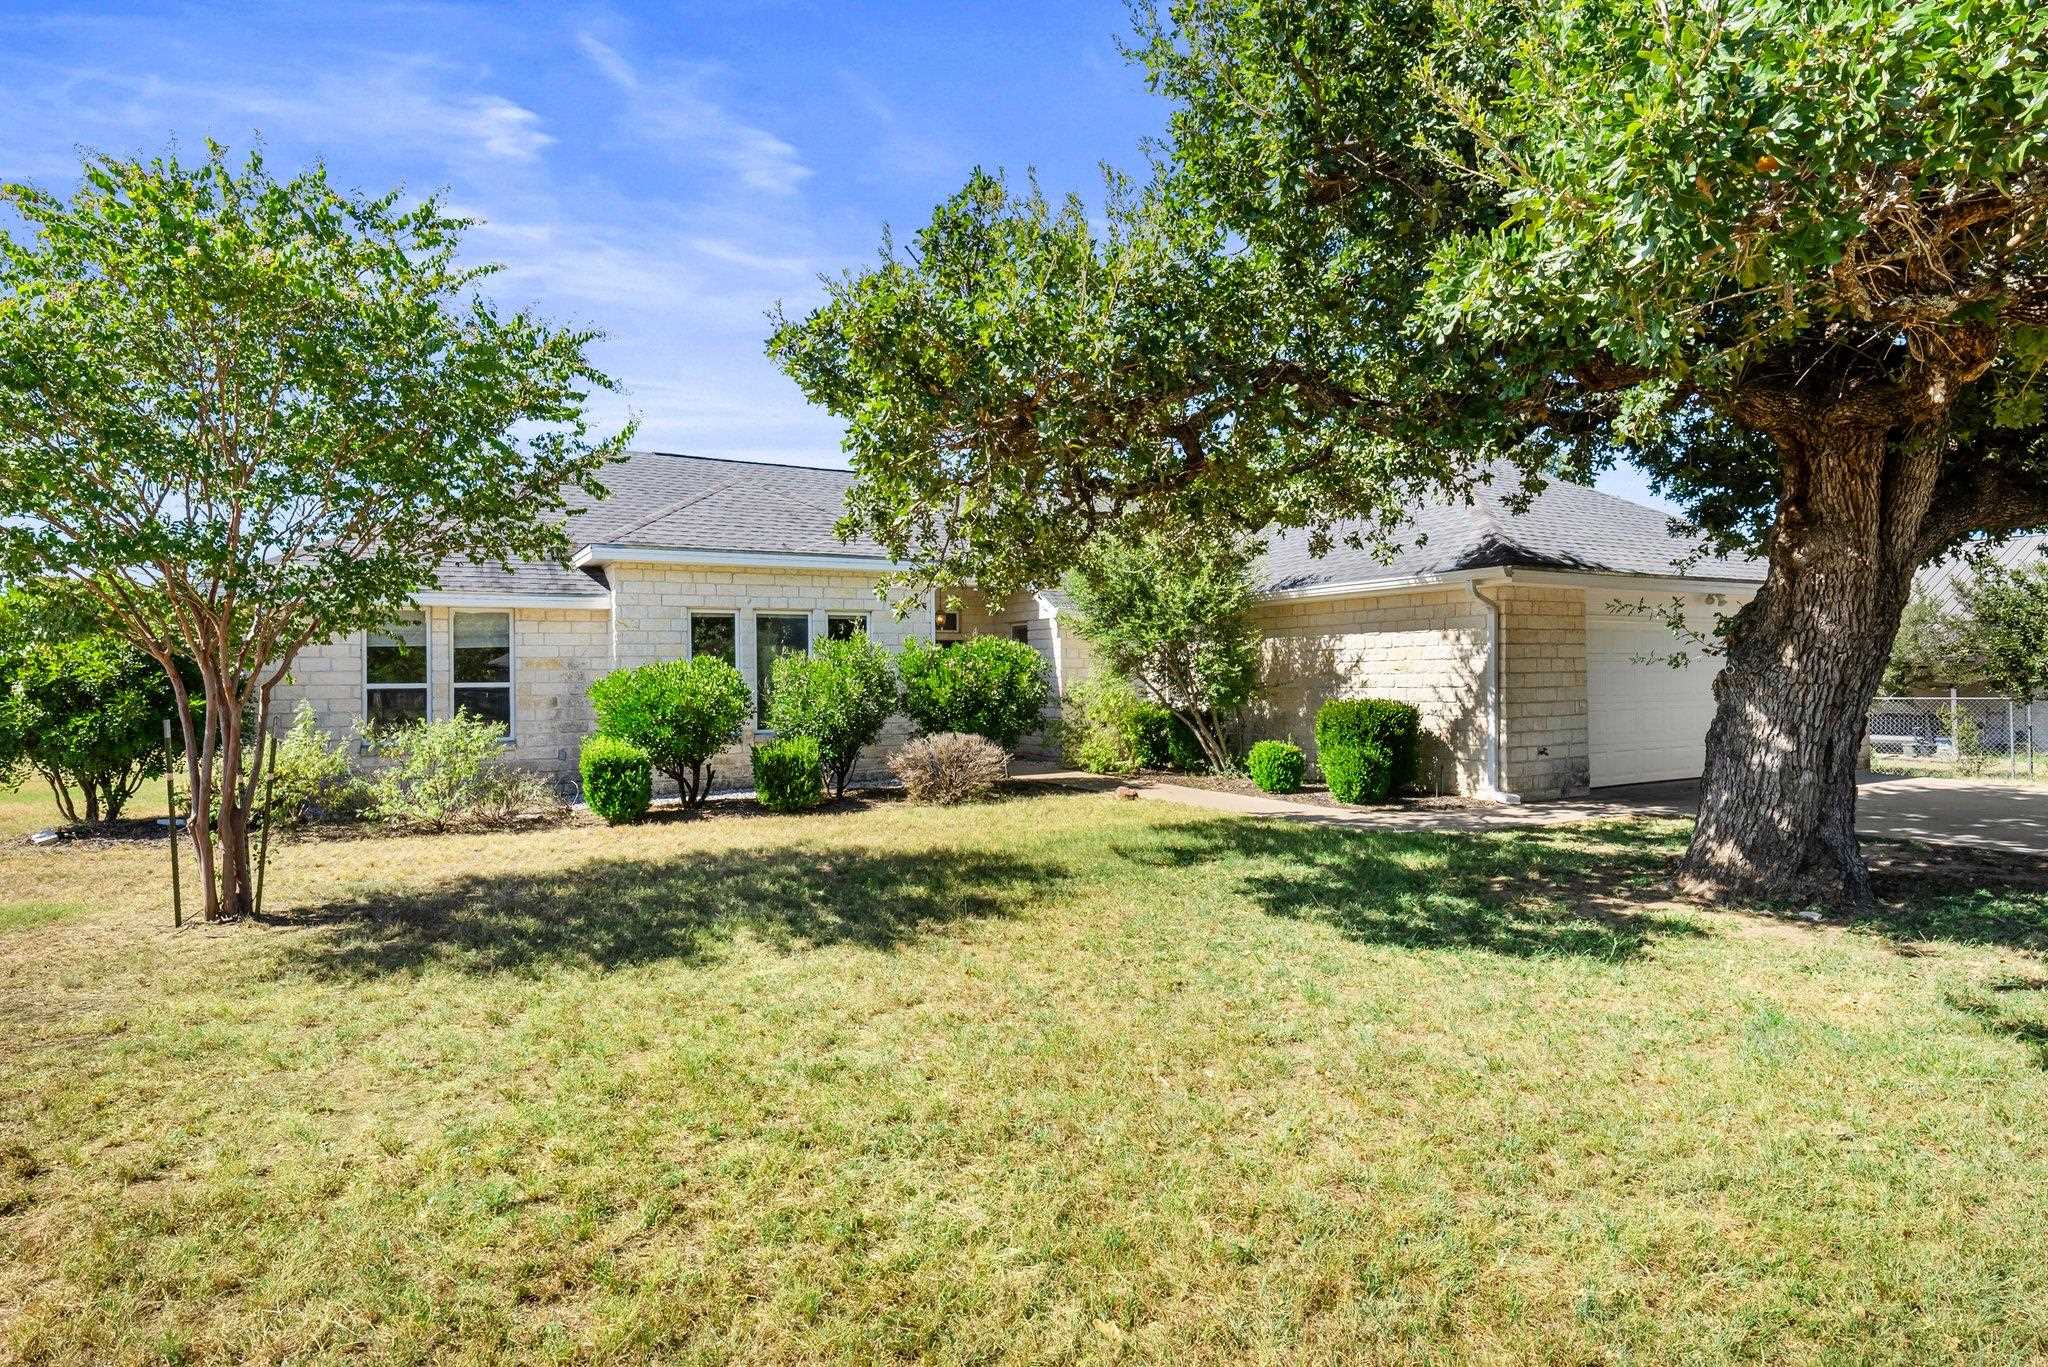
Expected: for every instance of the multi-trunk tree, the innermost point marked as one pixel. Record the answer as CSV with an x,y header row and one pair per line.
x,y
1785,256
246,414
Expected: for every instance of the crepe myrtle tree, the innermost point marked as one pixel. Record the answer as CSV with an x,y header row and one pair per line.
x,y
246,413
1786,257
1171,612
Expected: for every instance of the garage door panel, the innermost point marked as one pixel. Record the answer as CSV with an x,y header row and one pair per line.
x,y
1646,722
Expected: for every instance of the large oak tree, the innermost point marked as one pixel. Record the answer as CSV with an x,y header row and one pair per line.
x,y
245,414
1786,256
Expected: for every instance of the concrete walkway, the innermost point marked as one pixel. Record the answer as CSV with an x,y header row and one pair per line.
x,y
1979,813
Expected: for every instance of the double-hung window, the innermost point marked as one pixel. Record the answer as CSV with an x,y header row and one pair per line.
x,y
776,635
483,666
395,672
844,626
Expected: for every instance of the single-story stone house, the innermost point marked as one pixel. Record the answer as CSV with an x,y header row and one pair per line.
x,y
1508,629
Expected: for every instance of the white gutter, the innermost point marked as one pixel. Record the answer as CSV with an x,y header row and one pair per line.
x,y
691,555
1356,587
1496,655
1585,579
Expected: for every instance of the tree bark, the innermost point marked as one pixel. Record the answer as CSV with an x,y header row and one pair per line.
x,y
1778,803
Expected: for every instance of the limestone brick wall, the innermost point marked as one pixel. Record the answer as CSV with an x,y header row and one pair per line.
x,y
1544,748
652,606
556,652
328,676
1427,648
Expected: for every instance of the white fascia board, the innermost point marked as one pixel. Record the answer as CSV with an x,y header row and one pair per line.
x,y
1356,588
449,599
775,560
1646,583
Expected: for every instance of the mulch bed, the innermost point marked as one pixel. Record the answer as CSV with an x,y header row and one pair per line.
x,y
1316,795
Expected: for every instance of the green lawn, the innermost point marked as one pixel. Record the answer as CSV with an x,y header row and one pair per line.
x,y
1061,1078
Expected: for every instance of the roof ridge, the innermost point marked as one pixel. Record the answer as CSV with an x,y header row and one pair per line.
x,y
671,509
740,460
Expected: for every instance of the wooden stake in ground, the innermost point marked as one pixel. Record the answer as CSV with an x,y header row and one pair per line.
x,y
171,815
263,850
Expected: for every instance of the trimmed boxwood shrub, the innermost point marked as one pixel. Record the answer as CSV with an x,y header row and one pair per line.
x,y
681,712
986,686
789,774
618,779
840,697
1366,746
1277,766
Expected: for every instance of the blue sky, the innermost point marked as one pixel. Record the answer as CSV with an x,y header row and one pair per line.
x,y
664,172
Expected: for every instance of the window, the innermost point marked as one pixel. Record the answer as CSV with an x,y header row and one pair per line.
x,y
776,636
844,626
946,623
712,633
1020,632
483,666
395,672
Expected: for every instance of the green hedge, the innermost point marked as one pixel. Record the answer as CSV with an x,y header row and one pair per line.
x,y
789,774
618,779
1366,747
1165,741
1277,766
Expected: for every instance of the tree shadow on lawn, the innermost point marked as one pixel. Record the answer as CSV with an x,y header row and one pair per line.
x,y
1957,894
609,914
1525,893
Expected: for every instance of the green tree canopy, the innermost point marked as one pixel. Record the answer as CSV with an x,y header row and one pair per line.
x,y
2007,628
1786,256
80,707
249,413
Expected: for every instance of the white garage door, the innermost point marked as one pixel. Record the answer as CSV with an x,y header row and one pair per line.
x,y
1645,721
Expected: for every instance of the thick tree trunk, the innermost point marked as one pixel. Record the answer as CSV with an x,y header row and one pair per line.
x,y
1778,806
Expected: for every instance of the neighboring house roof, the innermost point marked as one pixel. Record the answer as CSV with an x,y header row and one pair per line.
x,y
1565,527
1939,579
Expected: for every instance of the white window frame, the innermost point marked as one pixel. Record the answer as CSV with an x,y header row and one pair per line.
x,y
939,627
866,620
690,631
426,684
810,649
511,684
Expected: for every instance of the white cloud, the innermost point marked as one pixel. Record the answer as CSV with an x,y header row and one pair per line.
x,y
608,60
503,128
675,113
390,103
733,254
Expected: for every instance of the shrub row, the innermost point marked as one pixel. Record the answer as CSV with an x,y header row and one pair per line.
x,y
824,708
437,774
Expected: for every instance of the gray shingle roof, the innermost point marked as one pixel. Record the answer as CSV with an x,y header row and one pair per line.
x,y
656,500
523,577
689,502
1565,527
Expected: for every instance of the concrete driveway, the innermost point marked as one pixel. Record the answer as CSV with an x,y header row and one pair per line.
x,y
1986,813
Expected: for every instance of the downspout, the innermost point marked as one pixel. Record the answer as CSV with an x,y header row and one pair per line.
x,y
1496,651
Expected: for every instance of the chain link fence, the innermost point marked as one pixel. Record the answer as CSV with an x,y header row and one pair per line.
x,y
1956,737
